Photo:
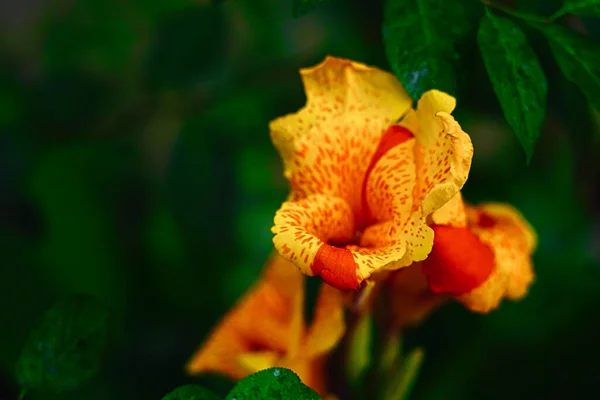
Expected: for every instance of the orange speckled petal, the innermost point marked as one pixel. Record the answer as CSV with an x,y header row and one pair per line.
x,y
333,157
452,213
443,152
307,230
339,87
328,324
512,240
391,182
275,301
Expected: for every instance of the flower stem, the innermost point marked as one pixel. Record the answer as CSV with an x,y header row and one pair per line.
x,y
22,394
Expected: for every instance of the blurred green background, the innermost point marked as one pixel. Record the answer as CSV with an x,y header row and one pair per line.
x,y
136,166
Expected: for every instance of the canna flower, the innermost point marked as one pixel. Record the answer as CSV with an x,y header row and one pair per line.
x,y
366,171
481,254
267,328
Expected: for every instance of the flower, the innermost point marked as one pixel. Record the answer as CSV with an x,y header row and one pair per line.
x,y
365,170
481,254
267,328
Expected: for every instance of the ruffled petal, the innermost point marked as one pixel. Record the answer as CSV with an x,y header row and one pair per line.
x,y
276,301
443,152
307,231
452,213
512,241
339,87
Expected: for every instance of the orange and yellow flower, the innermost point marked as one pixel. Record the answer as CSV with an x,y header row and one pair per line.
x,y
366,171
267,328
481,254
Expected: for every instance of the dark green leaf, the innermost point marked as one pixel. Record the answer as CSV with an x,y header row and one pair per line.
x,y
516,75
301,7
578,57
191,392
420,39
65,349
584,8
272,384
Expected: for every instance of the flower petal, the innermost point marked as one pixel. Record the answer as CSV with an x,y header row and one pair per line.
x,y
512,240
452,213
443,152
328,324
333,157
338,87
459,262
277,302
257,361
307,230
391,182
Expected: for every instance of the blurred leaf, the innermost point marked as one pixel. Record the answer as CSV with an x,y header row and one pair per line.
x,y
65,349
188,46
272,384
191,392
517,77
584,8
419,38
401,384
578,57
302,7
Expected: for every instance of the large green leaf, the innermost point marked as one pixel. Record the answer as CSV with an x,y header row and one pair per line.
x,y
301,7
585,8
272,384
65,349
516,75
578,57
191,392
420,38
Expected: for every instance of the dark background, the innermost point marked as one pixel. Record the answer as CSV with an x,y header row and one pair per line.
x,y
136,166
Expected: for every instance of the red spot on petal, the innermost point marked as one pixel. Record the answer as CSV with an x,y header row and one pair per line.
x,y
458,262
336,266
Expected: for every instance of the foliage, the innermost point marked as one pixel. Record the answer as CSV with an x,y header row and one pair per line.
x,y
64,351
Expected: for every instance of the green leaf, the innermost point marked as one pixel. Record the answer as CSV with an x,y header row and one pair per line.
x,y
65,349
302,7
516,75
420,39
584,8
578,57
191,392
272,384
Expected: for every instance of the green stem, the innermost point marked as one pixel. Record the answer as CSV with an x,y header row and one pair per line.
x,y
22,394
406,376
518,14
